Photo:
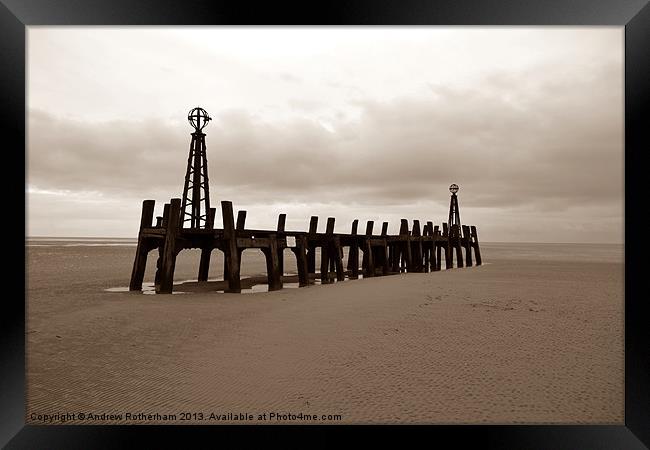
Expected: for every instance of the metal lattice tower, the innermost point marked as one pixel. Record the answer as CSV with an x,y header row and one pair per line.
x,y
196,191
454,214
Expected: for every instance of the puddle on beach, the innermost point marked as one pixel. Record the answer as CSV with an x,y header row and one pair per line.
x,y
262,287
147,288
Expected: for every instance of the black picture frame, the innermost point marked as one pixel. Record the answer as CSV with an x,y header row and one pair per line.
x,y
634,15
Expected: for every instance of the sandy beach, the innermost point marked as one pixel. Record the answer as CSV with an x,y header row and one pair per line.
x,y
535,335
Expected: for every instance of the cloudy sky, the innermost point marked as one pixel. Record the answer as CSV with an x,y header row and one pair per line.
x,y
368,123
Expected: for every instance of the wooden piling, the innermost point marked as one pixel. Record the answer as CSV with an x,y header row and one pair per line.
x,y
142,251
204,264
165,215
407,255
417,247
353,254
477,250
426,248
272,264
211,216
206,252
169,251
368,263
325,252
282,219
280,229
433,257
311,250
438,248
449,260
230,248
241,220
467,244
456,245
338,259
300,250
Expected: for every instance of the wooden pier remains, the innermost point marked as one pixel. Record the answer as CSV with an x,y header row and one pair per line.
x,y
417,248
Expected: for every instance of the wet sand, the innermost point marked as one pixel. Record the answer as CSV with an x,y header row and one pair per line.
x,y
526,338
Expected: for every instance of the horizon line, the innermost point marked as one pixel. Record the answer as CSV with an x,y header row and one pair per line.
x,y
484,242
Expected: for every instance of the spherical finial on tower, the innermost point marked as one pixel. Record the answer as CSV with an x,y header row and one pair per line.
x,y
198,118
453,188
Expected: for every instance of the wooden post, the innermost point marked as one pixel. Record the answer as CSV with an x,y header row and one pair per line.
x,y
457,245
425,247
467,243
225,265
433,262
141,252
368,260
241,220
168,262
211,216
353,255
204,265
311,250
272,264
324,265
338,259
385,268
477,250
407,256
280,229
301,260
327,252
449,260
431,253
230,249
282,219
331,250
417,247
158,271
438,247
166,215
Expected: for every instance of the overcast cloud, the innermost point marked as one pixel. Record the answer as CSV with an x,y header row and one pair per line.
x,y
350,123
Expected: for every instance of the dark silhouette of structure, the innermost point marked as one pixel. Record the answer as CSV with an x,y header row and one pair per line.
x,y
196,190
454,214
416,250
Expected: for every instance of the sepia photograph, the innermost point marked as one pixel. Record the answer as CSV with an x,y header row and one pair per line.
x,y
324,225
